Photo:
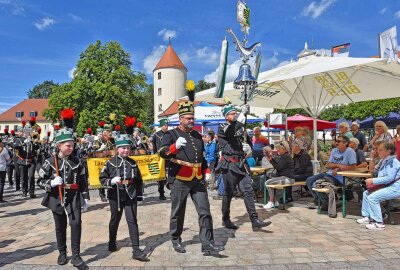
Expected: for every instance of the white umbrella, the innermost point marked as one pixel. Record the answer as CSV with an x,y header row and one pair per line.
x,y
313,83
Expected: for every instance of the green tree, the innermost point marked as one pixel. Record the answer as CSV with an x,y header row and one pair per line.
x,y
103,84
203,85
374,108
333,113
42,90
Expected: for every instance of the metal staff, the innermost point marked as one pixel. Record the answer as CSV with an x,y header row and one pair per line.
x,y
60,191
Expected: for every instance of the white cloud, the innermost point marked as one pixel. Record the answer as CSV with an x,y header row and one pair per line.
x,y
150,62
207,55
397,15
15,6
166,34
315,9
75,17
383,11
71,72
232,71
44,23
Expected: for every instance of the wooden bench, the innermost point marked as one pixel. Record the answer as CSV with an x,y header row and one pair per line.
x,y
326,191
283,187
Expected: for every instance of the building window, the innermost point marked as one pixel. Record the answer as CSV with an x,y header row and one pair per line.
x,y
19,114
15,127
159,75
160,108
33,114
7,127
159,91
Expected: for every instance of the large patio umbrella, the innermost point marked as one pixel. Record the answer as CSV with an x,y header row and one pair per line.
x,y
313,83
299,120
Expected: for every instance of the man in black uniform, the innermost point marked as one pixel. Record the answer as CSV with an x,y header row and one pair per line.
x,y
122,176
64,175
184,148
156,140
9,142
233,166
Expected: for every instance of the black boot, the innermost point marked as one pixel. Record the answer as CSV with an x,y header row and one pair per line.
x,y
178,247
112,246
139,255
211,248
62,258
162,197
258,224
78,262
229,224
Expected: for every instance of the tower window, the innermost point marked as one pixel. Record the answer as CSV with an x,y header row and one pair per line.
x,y
160,108
159,91
159,75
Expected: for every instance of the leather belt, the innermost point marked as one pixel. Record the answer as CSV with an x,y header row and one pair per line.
x,y
185,163
127,182
71,186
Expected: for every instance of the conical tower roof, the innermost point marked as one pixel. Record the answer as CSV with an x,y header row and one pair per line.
x,y
170,59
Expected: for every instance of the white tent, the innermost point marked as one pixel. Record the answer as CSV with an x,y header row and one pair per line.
x,y
313,83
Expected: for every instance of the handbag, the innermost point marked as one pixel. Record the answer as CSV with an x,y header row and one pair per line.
x,y
373,187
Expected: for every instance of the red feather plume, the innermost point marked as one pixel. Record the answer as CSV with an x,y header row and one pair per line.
x,y
117,128
56,127
13,132
67,114
23,123
89,131
130,121
32,121
6,131
39,130
102,123
48,133
139,125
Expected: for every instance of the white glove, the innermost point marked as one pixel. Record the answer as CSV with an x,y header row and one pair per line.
x,y
85,205
57,181
208,177
246,149
102,147
27,140
180,142
245,109
115,180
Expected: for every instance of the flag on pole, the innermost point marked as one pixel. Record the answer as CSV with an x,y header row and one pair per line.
x,y
219,89
243,17
388,44
341,50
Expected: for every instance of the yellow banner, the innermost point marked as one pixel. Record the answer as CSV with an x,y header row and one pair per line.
x,y
152,168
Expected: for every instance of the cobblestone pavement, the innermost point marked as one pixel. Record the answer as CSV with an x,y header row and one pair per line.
x,y
298,238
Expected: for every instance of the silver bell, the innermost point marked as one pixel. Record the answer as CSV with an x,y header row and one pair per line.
x,y
244,77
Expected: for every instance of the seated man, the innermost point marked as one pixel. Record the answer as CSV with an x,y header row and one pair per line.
x,y
342,158
361,161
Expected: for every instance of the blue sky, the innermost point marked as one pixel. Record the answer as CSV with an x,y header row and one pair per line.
x,y
42,39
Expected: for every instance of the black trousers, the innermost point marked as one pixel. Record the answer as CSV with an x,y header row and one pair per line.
x,y
231,179
61,230
17,175
198,192
10,170
2,183
27,174
161,185
130,207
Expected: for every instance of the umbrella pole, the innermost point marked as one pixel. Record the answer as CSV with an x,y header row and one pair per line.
x,y
316,167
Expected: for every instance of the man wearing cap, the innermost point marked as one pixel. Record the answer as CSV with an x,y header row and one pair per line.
x,y
70,182
359,136
156,139
235,171
184,148
122,176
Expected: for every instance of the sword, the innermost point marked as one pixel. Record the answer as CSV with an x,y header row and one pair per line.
x,y
60,191
119,206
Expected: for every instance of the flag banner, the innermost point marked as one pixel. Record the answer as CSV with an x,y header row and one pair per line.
x,y
243,16
152,168
219,88
341,50
388,44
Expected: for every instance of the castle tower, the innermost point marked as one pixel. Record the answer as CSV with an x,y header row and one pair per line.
x,y
169,77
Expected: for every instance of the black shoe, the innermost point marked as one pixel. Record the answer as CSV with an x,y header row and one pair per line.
x,y
258,224
32,195
288,200
333,215
78,262
112,247
229,224
162,197
209,248
62,258
2,201
139,255
178,247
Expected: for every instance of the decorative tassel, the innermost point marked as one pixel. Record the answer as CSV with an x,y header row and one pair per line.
x,y
190,86
102,123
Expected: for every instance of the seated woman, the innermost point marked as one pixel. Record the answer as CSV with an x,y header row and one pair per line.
x,y
387,175
284,171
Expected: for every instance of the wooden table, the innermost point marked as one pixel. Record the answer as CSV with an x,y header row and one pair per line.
x,y
360,173
261,170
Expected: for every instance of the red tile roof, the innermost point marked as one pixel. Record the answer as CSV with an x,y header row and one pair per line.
x,y
26,106
170,59
173,108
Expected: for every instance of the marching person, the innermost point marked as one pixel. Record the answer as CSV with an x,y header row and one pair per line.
x,y
63,178
157,139
122,176
4,158
233,168
184,148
